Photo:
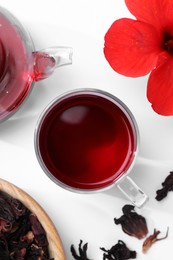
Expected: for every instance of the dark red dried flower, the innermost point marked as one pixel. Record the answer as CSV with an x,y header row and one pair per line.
x,y
6,212
152,239
82,251
167,186
18,208
38,231
118,252
132,223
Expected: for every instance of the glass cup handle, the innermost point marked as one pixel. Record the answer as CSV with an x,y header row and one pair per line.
x,y
132,191
47,60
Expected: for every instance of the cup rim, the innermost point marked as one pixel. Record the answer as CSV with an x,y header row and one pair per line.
x,y
110,97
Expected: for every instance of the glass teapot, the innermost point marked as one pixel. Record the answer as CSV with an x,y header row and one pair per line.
x,y
21,65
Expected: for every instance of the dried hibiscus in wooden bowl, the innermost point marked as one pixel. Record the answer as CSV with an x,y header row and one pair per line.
x,y
26,231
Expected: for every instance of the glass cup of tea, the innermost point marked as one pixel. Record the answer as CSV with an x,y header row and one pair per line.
x,y
21,65
87,141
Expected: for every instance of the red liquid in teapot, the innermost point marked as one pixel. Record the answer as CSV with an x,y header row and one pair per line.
x,y
14,77
86,141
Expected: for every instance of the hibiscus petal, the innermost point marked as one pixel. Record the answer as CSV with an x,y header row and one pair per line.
x,y
156,12
132,47
160,88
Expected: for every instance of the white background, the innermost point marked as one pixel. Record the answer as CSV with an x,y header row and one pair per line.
x,y
82,25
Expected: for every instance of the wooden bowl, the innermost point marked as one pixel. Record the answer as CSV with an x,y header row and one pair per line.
x,y
55,245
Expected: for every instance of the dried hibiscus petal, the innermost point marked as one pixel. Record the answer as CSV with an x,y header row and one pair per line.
x,y
82,251
132,223
118,252
29,236
18,208
5,210
21,234
167,186
20,228
19,254
152,239
38,231
5,226
35,252
4,252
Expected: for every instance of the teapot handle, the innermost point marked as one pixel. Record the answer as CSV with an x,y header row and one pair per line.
x,y
47,60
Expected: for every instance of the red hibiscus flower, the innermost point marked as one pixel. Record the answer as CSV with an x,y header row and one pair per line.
x,y
136,47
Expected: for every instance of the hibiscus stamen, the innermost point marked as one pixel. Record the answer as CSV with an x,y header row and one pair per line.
x,y
168,42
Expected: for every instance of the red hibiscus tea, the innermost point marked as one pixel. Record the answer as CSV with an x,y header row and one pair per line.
x,y
14,78
86,140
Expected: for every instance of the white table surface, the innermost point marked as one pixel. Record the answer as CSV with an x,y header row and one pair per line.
x,y
82,25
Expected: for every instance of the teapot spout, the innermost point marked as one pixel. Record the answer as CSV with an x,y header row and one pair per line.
x,y
46,61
